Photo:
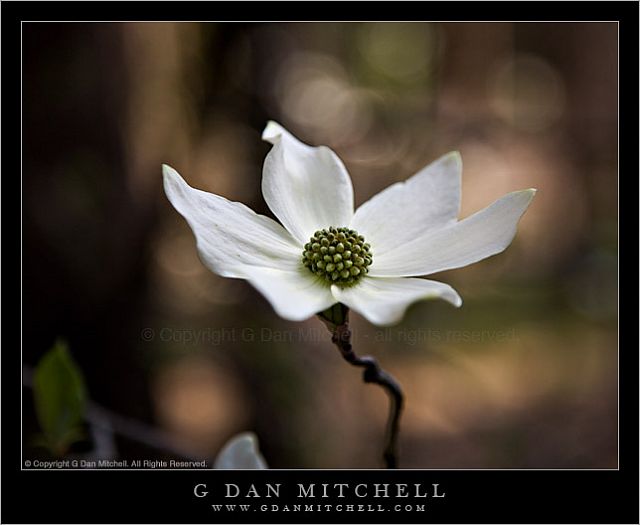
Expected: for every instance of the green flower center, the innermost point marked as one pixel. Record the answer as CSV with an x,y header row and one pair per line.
x,y
337,255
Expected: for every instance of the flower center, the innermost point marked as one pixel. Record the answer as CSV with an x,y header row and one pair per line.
x,y
338,255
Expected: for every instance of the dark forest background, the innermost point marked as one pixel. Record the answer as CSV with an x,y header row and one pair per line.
x,y
524,375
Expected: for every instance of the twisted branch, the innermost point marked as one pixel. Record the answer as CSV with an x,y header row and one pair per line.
x,y
337,320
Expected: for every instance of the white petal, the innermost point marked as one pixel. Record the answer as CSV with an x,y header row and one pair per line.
x,y
406,210
241,452
481,235
306,188
383,301
230,236
294,294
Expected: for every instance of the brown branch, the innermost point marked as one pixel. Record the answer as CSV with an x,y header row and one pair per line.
x,y
337,320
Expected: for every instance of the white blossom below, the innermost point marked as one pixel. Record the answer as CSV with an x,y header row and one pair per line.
x,y
240,452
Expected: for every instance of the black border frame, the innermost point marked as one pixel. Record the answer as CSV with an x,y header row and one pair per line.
x,y
608,496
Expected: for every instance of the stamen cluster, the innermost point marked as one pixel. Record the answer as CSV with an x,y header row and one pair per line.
x,y
338,255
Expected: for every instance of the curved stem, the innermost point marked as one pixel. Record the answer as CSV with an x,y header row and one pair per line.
x,y
337,321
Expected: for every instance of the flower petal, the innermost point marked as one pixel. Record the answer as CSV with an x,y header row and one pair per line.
x,y
406,210
383,301
230,236
306,188
294,294
241,452
481,235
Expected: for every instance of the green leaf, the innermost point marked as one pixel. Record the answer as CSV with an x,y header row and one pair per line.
x,y
60,398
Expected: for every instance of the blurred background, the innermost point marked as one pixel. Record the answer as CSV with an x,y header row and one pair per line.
x,y
524,375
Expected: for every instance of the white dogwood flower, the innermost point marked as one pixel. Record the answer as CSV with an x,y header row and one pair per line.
x,y
240,452
323,252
